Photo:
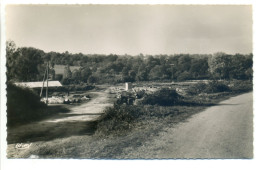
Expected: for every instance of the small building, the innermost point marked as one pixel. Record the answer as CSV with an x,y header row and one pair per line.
x,y
59,70
36,86
128,86
39,84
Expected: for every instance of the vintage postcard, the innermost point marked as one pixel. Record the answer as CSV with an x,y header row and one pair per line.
x,y
127,81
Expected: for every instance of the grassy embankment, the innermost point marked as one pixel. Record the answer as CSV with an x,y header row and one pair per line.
x,y
24,105
166,107
123,128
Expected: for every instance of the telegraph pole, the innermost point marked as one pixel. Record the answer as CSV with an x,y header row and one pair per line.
x,y
47,77
172,70
43,82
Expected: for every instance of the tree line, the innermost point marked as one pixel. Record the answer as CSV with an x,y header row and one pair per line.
x,y
28,64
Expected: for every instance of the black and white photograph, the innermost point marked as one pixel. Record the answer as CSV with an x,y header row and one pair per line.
x,y
129,81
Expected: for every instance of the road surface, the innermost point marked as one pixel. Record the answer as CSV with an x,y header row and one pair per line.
x,y
222,131
78,121
88,111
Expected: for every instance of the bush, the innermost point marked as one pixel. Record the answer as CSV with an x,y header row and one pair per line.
x,y
120,119
197,88
239,86
184,76
163,97
236,86
216,87
117,119
23,105
92,79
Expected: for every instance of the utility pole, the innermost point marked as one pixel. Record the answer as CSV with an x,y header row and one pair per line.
x,y
172,70
47,77
43,82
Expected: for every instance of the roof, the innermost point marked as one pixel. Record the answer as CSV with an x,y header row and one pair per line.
x,y
59,69
39,84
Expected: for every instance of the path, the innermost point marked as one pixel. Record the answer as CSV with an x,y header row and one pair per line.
x,y
88,111
223,131
78,121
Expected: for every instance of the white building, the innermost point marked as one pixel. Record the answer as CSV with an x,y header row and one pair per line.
x,y
128,86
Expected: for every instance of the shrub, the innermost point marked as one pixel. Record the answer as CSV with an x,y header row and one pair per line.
x,y
216,87
239,86
23,105
236,86
117,119
184,76
120,119
163,97
92,79
196,88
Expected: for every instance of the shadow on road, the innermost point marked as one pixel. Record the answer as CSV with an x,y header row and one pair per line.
x,y
45,131
194,104
61,116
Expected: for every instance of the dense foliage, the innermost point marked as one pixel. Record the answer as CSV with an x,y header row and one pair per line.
x,y
163,97
214,86
167,105
28,64
23,105
118,118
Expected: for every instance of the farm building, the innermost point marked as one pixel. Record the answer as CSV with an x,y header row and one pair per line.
x,y
37,87
59,69
39,84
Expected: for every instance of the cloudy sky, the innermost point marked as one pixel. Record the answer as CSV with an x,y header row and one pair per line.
x,y
131,29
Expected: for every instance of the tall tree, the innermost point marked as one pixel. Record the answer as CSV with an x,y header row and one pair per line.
x,y
85,73
67,72
199,68
220,65
11,61
142,74
23,64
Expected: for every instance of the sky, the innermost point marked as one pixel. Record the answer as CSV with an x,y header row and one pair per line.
x,y
132,29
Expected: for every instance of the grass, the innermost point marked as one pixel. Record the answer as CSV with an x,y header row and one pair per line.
x,y
24,106
111,146
123,128
166,106
124,119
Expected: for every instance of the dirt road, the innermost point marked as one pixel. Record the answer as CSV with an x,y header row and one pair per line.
x,y
223,131
88,111
77,121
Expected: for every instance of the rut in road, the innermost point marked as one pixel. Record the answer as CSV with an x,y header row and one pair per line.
x,y
222,131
